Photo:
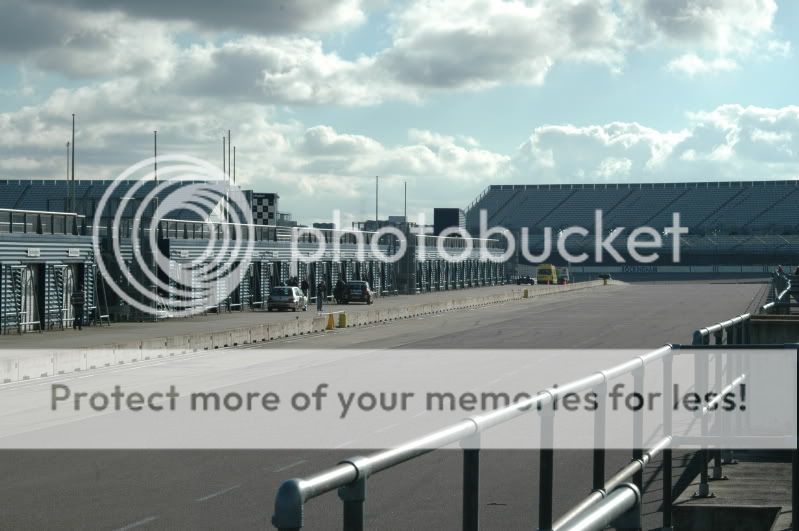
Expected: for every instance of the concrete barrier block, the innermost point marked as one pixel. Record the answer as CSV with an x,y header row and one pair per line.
x,y
201,342
68,361
239,336
177,345
102,356
8,371
153,343
258,334
35,366
304,326
322,322
126,354
221,339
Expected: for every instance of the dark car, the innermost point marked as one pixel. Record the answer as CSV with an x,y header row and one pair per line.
x,y
522,280
357,291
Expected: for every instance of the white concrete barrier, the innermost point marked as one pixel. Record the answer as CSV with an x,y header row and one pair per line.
x,y
221,339
320,323
258,334
8,371
35,366
102,356
125,354
178,344
68,361
239,336
201,342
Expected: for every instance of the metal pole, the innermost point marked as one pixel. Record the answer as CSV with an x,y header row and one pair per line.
x,y
353,496
471,489
234,164
72,185
638,433
598,482
155,155
701,369
668,399
377,179
546,468
718,473
405,208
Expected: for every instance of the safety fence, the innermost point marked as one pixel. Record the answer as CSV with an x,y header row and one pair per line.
x,y
612,501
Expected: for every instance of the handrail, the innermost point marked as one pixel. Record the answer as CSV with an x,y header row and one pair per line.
x,y
293,493
634,467
621,501
736,328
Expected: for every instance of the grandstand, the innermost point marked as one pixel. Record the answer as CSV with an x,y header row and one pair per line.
x,y
729,222
82,196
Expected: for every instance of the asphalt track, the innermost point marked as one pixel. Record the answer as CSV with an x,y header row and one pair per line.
x,y
235,489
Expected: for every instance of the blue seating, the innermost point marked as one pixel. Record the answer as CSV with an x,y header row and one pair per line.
x,y
733,208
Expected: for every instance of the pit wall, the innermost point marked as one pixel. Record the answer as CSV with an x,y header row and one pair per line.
x,y
74,360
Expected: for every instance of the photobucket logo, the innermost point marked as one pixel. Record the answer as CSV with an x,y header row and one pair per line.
x,y
129,215
494,244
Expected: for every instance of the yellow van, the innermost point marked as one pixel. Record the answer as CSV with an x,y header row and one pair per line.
x,y
547,274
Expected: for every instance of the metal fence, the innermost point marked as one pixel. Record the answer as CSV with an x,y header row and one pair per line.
x,y
609,499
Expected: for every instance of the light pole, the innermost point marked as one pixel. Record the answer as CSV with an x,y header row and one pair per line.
x,y
155,156
67,160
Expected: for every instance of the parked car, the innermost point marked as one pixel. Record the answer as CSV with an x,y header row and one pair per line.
x,y
357,291
563,275
525,280
286,298
605,276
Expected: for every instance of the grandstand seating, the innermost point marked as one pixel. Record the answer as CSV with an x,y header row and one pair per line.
x,y
56,195
713,208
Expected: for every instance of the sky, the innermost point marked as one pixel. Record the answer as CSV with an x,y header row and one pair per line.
x,y
448,96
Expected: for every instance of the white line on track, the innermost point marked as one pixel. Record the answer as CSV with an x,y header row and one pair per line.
x,y
290,465
217,493
342,445
139,523
386,428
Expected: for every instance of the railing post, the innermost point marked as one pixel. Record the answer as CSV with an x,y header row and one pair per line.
x,y
794,481
546,467
471,483
600,418
289,506
701,369
718,473
666,469
353,496
638,435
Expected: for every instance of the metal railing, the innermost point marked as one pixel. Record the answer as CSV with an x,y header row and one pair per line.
x,y
351,475
736,331
612,501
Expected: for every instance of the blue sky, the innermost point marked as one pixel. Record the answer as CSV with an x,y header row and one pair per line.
x,y
450,96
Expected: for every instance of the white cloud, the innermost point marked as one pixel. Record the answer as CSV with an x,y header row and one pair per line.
x,y
692,65
434,44
729,142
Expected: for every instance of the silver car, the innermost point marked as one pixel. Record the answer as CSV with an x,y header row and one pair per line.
x,y
286,298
